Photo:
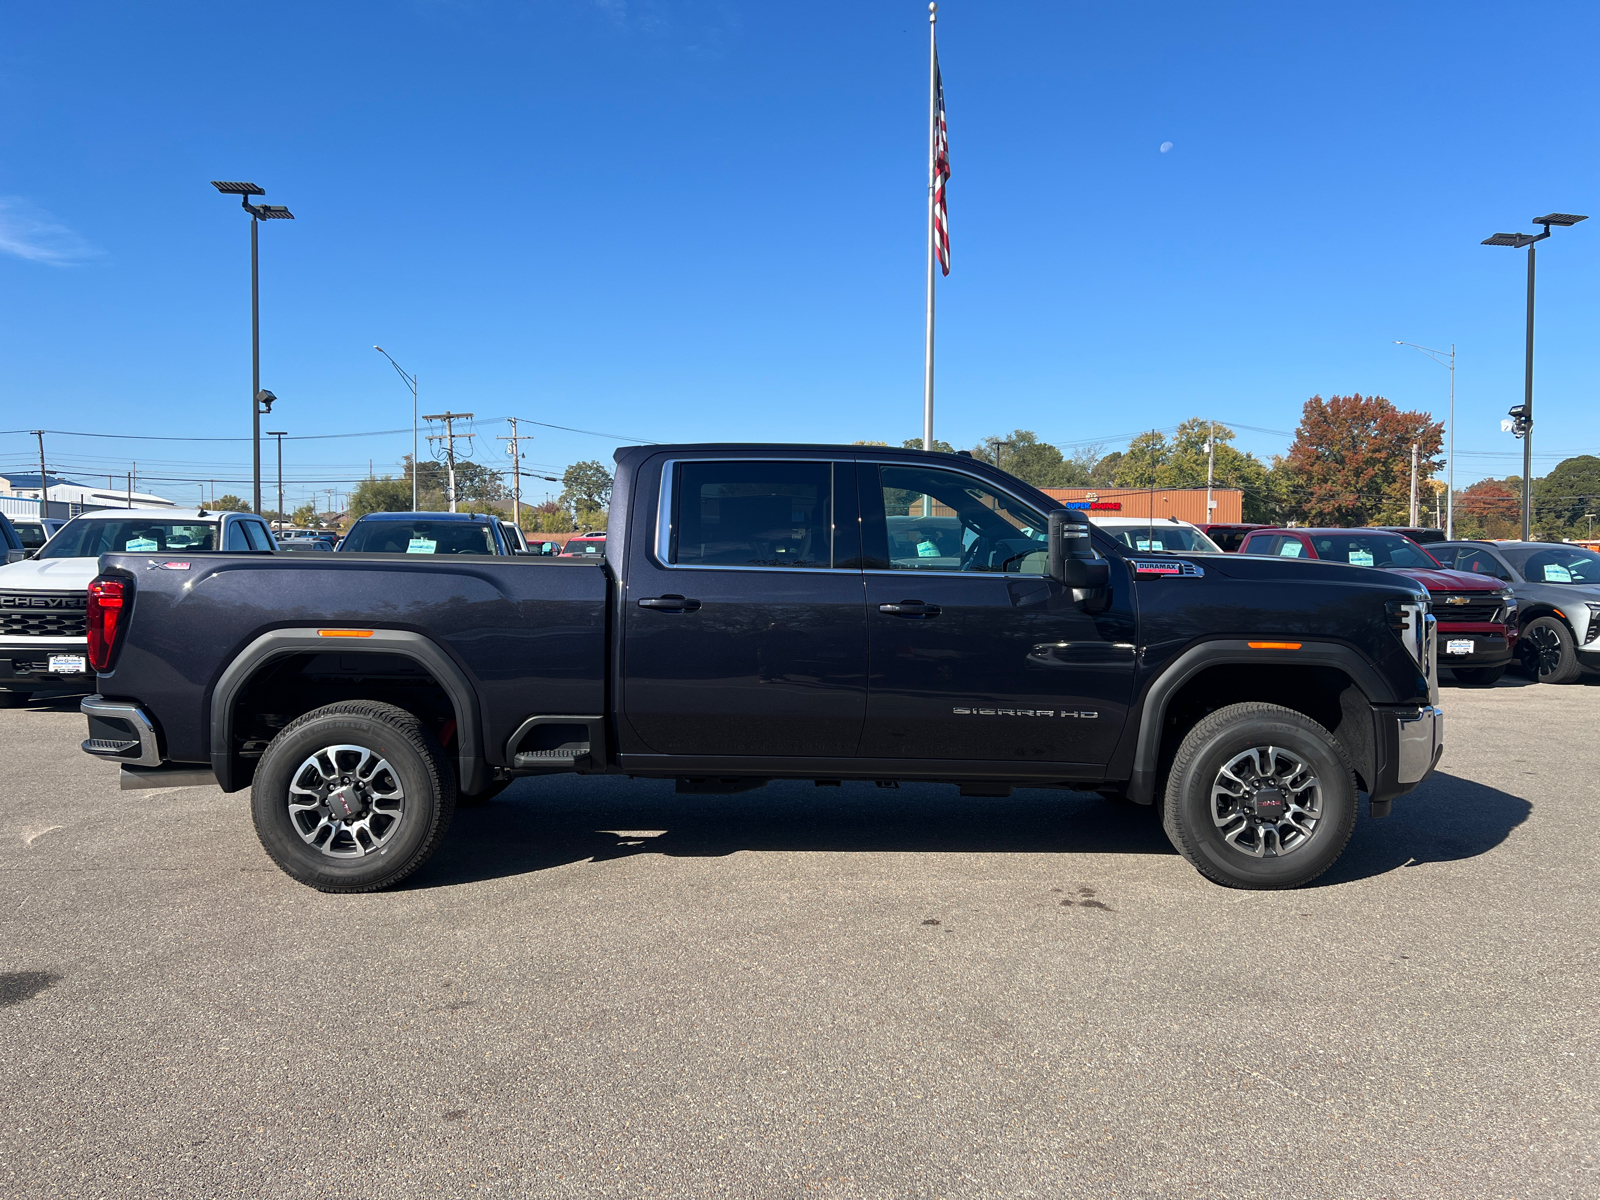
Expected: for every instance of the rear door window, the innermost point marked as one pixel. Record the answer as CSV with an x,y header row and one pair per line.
x,y
256,534
751,514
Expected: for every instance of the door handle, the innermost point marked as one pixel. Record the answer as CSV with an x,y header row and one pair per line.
x,y
670,603
914,610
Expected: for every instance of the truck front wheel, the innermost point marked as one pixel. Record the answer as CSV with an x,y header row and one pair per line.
x,y
1260,796
353,797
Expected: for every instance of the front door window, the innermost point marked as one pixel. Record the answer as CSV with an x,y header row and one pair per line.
x,y
945,521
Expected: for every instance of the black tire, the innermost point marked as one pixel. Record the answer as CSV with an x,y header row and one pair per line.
x,y
1478,676
1222,740
1548,651
416,765
14,699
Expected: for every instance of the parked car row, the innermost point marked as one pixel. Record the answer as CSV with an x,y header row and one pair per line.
x,y
1496,602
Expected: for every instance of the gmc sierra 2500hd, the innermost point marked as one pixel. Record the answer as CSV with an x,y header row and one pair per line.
x,y
772,612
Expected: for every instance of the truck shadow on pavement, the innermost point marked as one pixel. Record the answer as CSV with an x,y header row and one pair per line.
x,y
1447,818
538,824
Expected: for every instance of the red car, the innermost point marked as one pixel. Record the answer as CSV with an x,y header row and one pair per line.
x,y
1477,614
582,547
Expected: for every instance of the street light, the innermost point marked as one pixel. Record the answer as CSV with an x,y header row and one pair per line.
x,y
280,434
410,382
1439,357
1522,414
258,398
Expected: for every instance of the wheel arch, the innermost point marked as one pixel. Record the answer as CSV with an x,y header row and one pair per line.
x,y
1326,681
277,644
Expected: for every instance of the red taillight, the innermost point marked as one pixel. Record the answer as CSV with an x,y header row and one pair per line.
x,y
107,597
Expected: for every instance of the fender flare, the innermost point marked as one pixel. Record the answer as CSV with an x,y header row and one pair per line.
x,y
280,643
1159,693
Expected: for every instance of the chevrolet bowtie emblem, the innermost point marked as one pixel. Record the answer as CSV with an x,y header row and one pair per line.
x,y
1459,600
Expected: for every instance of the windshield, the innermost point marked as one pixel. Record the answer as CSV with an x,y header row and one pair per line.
x,y
1372,550
419,537
85,538
1556,564
1162,536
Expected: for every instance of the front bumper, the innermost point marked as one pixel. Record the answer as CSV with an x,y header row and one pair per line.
x,y
1488,649
1410,743
26,668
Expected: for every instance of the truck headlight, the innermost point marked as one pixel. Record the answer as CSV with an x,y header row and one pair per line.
x,y
1594,622
1413,625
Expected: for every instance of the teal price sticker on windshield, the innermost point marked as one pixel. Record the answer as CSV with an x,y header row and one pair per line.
x,y
422,546
927,550
1361,558
141,546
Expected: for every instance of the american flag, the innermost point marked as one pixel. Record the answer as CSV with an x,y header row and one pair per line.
x,y
941,173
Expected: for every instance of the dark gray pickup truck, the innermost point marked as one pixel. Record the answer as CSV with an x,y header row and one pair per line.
x,y
774,612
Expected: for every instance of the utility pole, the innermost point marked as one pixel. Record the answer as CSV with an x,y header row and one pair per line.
x,y
130,489
1211,471
44,485
449,440
1413,485
279,434
516,473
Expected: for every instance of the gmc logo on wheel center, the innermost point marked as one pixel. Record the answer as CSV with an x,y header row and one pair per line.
x,y
44,602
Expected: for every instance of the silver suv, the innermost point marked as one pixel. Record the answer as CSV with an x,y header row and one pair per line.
x,y
1557,586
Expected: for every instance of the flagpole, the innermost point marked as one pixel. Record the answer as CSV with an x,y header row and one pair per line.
x,y
933,134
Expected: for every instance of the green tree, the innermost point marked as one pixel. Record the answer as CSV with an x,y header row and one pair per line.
x,y
1562,497
939,447
1104,471
1022,454
1186,462
1141,463
229,503
386,494
306,514
1350,463
586,493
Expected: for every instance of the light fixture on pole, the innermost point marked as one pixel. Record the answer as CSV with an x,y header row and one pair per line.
x,y
258,213
410,382
1449,362
280,434
1522,414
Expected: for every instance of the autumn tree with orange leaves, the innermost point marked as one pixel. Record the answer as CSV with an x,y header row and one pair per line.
x,y
1350,463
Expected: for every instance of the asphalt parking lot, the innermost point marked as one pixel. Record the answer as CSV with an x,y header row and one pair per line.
x,y
602,989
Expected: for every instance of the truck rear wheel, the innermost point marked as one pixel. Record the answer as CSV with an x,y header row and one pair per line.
x,y
353,797
1260,796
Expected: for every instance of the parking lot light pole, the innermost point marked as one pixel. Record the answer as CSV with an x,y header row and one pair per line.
x,y
1522,415
280,434
260,401
410,382
1448,361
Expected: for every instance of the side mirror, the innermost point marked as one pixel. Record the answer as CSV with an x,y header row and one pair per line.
x,y
15,556
1073,562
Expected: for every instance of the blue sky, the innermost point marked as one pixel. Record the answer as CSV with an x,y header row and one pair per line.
x,y
705,221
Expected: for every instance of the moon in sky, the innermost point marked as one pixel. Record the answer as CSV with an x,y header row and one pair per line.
x,y
1165,146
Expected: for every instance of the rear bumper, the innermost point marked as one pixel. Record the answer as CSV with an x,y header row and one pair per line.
x,y
120,732
26,668
1411,742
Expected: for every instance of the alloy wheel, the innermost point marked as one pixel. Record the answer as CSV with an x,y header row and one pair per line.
x,y
1267,802
346,801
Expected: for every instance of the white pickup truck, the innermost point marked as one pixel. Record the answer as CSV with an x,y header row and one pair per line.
x,y
43,646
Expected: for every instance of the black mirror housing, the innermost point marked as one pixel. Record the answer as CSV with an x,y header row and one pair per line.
x,y
1073,561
